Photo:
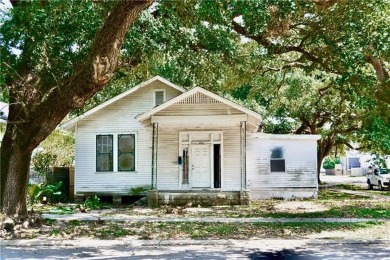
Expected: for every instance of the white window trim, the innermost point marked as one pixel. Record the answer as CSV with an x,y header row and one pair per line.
x,y
115,153
154,96
113,147
284,158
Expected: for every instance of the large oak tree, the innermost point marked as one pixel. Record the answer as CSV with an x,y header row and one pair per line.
x,y
69,50
343,44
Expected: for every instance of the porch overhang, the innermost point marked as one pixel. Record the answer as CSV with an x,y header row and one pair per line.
x,y
232,115
206,121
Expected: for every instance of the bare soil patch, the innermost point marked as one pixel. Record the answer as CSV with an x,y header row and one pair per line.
x,y
300,206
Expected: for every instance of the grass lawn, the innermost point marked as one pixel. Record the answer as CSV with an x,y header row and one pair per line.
x,y
183,230
352,187
330,204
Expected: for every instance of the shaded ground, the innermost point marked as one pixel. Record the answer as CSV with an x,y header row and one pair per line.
x,y
340,202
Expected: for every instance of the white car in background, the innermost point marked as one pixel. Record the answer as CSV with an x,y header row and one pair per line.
x,y
378,177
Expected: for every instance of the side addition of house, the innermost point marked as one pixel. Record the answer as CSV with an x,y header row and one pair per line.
x,y
188,146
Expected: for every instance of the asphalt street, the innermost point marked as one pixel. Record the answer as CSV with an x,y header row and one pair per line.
x,y
221,249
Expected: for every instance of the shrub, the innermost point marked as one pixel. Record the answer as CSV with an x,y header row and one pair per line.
x,y
139,190
329,163
93,202
37,191
42,161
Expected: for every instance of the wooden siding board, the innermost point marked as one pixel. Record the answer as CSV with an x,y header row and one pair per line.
x,y
168,169
231,160
118,117
300,158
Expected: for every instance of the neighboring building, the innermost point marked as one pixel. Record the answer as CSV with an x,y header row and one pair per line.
x,y
189,146
3,119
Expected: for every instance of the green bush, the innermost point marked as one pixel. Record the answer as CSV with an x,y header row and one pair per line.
x,y
37,191
42,161
139,190
93,202
337,160
329,163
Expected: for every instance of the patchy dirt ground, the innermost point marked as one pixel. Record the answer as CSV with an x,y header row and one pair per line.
x,y
300,206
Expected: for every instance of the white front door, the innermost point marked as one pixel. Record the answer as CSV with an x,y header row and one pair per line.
x,y
200,166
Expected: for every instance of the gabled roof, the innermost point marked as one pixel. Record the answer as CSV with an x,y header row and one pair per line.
x,y
69,124
183,96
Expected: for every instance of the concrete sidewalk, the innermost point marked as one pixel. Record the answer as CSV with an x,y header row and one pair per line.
x,y
139,219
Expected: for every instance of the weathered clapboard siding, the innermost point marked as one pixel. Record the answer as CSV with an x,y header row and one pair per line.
x,y
300,162
168,152
200,115
231,159
117,118
167,167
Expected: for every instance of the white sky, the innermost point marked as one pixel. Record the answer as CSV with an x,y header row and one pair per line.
x,y
5,4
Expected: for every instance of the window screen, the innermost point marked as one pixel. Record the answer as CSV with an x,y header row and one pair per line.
x,y
126,152
104,153
159,97
278,163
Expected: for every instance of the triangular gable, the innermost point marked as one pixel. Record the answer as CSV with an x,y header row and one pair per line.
x,y
71,123
198,95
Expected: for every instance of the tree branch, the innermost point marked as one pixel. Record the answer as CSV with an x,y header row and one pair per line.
x,y
91,76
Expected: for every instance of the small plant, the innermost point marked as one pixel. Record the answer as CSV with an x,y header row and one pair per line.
x,y
49,221
62,210
329,163
38,191
54,232
93,202
139,190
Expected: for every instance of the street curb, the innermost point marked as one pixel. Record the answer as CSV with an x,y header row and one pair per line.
x,y
156,243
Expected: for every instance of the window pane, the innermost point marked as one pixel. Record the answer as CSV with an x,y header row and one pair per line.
x,y
126,152
104,153
159,97
277,153
278,165
126,162
126,143
103,162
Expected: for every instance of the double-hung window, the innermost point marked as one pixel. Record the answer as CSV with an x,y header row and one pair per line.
x,y
278,163
116,152
104,153
126,152
159,97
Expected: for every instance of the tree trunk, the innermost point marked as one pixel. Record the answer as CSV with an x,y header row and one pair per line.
x,y
15,192
33,118
320,158
323,149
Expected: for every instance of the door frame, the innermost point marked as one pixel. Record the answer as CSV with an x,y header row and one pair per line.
x,y
189,138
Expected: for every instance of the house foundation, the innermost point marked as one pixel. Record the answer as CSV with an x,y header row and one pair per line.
x,y
195,198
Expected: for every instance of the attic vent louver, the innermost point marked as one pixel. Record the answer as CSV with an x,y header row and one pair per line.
x,y
198,98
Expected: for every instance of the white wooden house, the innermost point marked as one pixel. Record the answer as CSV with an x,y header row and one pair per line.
x,y
187,145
